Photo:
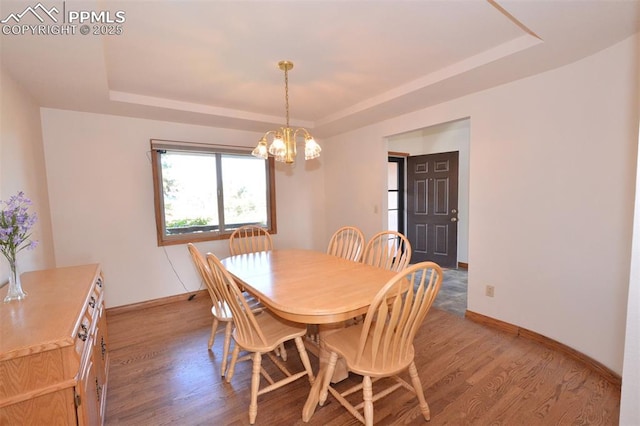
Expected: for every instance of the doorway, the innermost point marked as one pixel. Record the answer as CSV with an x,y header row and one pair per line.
x,y
444,137
441,138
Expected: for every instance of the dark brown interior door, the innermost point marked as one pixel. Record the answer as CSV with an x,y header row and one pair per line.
x,y
432,208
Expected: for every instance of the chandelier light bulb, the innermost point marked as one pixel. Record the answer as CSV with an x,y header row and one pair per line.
x,y
261,149
311,149
277,148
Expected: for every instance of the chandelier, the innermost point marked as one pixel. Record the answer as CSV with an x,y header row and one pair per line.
x,y
283,144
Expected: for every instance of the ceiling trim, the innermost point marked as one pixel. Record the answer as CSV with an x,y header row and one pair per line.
x,y
509,48
133,98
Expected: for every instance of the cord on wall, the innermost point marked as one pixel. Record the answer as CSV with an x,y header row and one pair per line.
x,y
148,155
178,276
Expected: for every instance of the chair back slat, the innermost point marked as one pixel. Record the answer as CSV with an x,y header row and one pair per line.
x,y
247,331
396,313
347,243
220,309
388,335
388,250
250,239
399,322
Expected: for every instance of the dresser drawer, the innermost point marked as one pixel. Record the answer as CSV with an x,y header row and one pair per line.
x,y
91,315
53,351
54,408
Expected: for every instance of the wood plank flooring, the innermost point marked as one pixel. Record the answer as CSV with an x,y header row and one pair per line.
x,y
162,373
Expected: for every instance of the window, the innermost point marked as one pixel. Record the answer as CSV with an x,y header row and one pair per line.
x,y
204,192
395,187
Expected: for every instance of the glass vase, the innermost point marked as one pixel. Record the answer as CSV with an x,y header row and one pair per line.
x,y
15,291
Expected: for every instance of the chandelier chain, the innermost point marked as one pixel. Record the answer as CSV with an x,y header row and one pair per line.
x,y
286,92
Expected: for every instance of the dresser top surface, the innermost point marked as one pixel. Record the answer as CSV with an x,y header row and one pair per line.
x,y
49,315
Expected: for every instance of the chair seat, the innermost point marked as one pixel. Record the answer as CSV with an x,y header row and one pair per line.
x,y
276,331
345,342
221,307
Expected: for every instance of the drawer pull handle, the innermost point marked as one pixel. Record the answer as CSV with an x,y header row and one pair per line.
x,y
92,302
103,346
98,390
85,333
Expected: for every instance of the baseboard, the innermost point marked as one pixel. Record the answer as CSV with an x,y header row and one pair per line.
x,y
493,323
463,265
515,330
156,302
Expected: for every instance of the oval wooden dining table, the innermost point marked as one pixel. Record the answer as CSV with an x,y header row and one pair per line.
x,y
309,287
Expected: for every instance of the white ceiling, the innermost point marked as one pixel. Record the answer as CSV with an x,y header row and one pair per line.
x,y
356,62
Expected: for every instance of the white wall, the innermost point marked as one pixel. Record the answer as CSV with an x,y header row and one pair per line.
x,y
356,182
629,407
552,170
445,137
22,169
101,192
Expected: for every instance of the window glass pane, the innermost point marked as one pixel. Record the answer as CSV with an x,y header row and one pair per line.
x,y
245,190
204,192
392,176
392,202
393,220
189,190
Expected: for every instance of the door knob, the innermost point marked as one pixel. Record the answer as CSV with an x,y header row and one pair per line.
x,y
454,219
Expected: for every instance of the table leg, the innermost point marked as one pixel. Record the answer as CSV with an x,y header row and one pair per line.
x,y
341,372
314,394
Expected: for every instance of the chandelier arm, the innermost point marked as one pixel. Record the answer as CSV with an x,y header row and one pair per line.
x,y
303,131
274,133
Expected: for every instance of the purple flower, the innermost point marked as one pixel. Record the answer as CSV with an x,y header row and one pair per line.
x,y
15,226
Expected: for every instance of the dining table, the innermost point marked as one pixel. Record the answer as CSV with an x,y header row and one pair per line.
x,y
309,287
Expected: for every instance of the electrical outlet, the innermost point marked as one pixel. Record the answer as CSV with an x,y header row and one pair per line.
x,y
489,290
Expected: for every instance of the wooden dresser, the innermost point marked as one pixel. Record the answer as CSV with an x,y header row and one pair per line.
x,y
53,349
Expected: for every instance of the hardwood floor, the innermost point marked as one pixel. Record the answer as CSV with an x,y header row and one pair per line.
x,y
162,373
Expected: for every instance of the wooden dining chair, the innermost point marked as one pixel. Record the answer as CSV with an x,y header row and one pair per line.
x,y
220,310
258,334
252,239
382,345
347,243
249,239
389,250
